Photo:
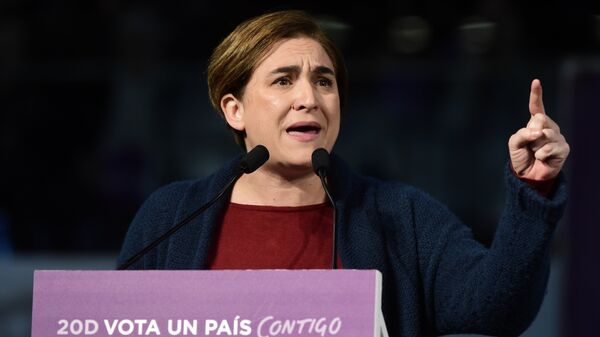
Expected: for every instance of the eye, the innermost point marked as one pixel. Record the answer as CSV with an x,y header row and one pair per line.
x,y
324,82
282,81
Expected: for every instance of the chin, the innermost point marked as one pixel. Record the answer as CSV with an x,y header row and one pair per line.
x,y
297,160
299,163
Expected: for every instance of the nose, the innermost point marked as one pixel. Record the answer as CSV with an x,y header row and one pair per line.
x,y
306,97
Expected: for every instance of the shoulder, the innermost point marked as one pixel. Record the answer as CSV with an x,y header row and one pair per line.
x,y
160,212
396,207
403,207
154,217
183,196
396,196
170,193
160,208
351,186
166,203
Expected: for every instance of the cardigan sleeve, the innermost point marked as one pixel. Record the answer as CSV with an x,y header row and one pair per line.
x,y
469,288
155,216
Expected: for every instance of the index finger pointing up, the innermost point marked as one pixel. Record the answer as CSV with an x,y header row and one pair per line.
x,y
536,104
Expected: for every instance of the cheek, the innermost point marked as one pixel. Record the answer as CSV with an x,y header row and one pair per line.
x,y
335,127
334,112
272,110
277,104
265,115
265,102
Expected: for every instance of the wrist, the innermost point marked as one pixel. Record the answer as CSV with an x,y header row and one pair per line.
x,y
543,187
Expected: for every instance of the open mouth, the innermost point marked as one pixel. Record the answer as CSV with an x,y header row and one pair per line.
x,y
304,131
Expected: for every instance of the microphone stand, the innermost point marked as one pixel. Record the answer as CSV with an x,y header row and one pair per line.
x,y
320,162
254,159
177,227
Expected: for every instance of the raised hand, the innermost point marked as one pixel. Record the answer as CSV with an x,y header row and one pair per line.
x,y
538,151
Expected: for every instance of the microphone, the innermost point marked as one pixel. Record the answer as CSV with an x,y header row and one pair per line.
x,y
254,159
320,162
250,163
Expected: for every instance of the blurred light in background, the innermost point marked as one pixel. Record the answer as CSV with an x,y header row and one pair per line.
x,y
477,35
409,34
337,30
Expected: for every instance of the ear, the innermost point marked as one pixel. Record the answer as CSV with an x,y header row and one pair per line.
x,y
233,109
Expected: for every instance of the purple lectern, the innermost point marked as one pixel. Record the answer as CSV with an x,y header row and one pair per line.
x,y
260,303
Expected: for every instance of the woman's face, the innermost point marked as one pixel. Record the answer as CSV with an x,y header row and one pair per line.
x,y
291,103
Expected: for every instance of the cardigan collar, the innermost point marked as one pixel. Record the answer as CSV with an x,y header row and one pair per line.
x,y
199,233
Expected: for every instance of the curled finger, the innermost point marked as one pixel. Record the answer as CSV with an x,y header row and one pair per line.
x,y
523,137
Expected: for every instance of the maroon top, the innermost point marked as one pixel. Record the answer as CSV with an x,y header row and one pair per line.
x,y
269,237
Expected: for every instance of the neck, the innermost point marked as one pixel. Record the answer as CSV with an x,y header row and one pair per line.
x,y
264,187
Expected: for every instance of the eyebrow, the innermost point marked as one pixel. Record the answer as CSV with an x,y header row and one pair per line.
x,y
296,69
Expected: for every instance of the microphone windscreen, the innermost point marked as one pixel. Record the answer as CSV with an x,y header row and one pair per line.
x,y
254,159
320,160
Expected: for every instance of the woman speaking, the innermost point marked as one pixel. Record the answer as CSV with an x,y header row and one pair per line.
x,y
279,82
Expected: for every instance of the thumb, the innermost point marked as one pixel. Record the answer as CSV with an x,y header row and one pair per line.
x,y
536,104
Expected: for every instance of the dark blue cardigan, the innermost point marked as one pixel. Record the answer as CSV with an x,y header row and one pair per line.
x,y
436,278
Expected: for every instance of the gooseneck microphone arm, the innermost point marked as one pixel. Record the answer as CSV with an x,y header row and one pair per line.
x,y
253,160
320,162
178,226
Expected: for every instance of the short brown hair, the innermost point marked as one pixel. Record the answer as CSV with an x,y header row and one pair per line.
x,y
234,60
